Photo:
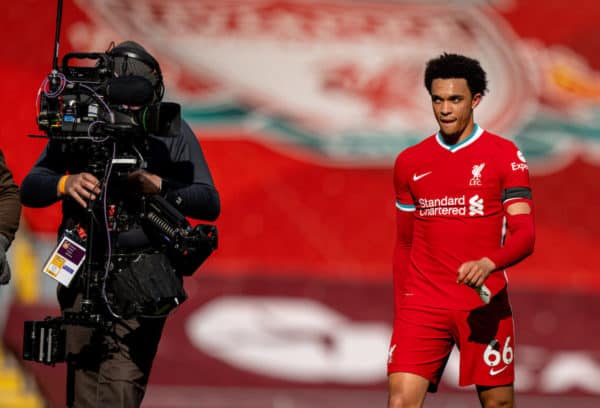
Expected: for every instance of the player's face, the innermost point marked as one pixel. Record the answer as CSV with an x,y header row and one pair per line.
x,y
453,107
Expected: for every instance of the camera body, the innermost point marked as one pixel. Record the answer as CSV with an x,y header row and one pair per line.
x,y
78,102
70,99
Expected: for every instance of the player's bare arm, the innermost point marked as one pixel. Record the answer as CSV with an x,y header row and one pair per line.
x,y
519,208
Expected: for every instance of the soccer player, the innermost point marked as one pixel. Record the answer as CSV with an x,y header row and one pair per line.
x,y
458,193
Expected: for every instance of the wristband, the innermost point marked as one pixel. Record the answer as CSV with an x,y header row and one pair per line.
x,y
61,184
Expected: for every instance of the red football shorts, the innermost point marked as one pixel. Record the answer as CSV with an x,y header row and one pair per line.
x,y
423,338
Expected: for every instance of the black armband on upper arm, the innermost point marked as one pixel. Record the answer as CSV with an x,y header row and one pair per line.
x,y
516,192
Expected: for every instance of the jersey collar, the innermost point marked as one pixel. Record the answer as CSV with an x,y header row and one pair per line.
x,y
475,134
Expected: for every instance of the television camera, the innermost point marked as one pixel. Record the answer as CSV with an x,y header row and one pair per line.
x,y
96,113
81,102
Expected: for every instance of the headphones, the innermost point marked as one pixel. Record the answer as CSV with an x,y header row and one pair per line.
x,y
136,52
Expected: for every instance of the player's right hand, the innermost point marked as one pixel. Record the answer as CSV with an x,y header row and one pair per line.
x,y
82,187
474,273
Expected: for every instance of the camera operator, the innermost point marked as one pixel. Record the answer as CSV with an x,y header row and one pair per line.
x,y
111,367
10,211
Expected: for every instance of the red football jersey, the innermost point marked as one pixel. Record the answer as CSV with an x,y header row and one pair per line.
x,y
456,195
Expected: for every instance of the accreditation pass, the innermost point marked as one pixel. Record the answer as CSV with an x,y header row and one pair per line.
x,y
65,261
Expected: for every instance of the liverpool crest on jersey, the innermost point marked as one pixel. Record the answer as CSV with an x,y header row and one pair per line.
x,y
476,172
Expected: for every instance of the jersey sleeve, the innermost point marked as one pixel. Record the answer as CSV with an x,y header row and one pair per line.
x,y
515,188
404,199
404,227
515,180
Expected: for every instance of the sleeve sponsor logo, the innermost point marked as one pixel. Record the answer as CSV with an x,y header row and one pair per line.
x,y
519,166
522,166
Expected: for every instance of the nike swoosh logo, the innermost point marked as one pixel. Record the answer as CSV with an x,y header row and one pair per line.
x,y
420,176
496,372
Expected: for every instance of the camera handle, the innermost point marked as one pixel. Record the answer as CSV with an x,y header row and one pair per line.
x,y
91,279
87,304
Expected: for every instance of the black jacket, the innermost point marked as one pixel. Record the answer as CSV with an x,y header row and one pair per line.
x,y
179,161
10,207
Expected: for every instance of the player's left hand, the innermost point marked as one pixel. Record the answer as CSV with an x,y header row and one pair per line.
x,y
474,273
144,182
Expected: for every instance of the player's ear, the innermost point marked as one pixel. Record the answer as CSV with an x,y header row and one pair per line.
x,y
476,100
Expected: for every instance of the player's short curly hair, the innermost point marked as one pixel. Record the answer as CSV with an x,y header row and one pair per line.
x,y
456,66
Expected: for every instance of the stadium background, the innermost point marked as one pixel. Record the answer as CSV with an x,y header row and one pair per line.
x,y
301,107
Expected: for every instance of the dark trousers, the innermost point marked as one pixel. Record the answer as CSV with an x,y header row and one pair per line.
x,y
108,367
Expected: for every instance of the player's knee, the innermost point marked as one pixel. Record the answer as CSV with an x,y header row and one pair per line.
x,y
498,403
406,390
496,397
402,401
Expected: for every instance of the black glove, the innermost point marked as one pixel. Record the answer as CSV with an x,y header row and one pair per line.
x,y
4,266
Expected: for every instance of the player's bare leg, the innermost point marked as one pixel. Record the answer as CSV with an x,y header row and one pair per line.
x,y
495,397
406,390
